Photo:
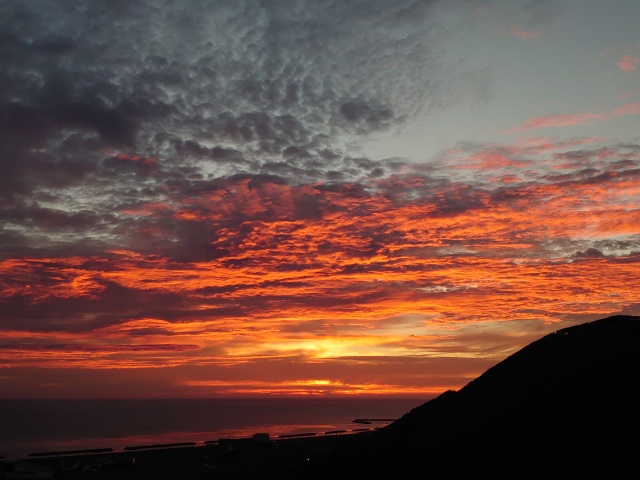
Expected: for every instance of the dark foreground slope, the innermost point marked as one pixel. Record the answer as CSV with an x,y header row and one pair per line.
x,y
569,402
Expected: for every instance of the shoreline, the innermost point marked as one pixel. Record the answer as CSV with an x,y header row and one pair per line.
x,y
228,458
75,452
79,452
37,426
201,443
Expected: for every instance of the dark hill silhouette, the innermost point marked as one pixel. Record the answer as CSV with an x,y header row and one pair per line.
x,y
567,403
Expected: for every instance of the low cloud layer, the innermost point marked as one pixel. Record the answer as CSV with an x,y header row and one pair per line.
x,y
182,186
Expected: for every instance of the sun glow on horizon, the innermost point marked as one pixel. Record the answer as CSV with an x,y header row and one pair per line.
x,y
352,203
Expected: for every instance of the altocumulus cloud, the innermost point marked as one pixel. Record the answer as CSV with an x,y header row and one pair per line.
x,y
183,184
111,105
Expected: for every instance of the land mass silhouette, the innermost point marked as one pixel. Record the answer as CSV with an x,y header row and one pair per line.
x,y
566,404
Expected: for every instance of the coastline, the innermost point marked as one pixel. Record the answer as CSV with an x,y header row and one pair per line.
x,y
231,458
224,440
34,426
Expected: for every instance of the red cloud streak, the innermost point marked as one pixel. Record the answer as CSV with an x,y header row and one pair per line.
x,y
412,273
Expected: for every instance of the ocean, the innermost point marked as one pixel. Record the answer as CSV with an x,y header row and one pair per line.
x,y
36,426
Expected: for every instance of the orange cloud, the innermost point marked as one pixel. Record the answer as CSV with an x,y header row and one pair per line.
x,y
628,63
560,121
412,270
523,34
313,387
629,109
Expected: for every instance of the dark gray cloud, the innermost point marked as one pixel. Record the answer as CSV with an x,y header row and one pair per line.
x,y
267,75
108,106
161,126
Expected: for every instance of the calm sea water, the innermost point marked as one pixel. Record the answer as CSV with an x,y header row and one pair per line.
x,y
33,426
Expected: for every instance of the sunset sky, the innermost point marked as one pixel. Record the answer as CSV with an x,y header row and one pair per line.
x,y
344,197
